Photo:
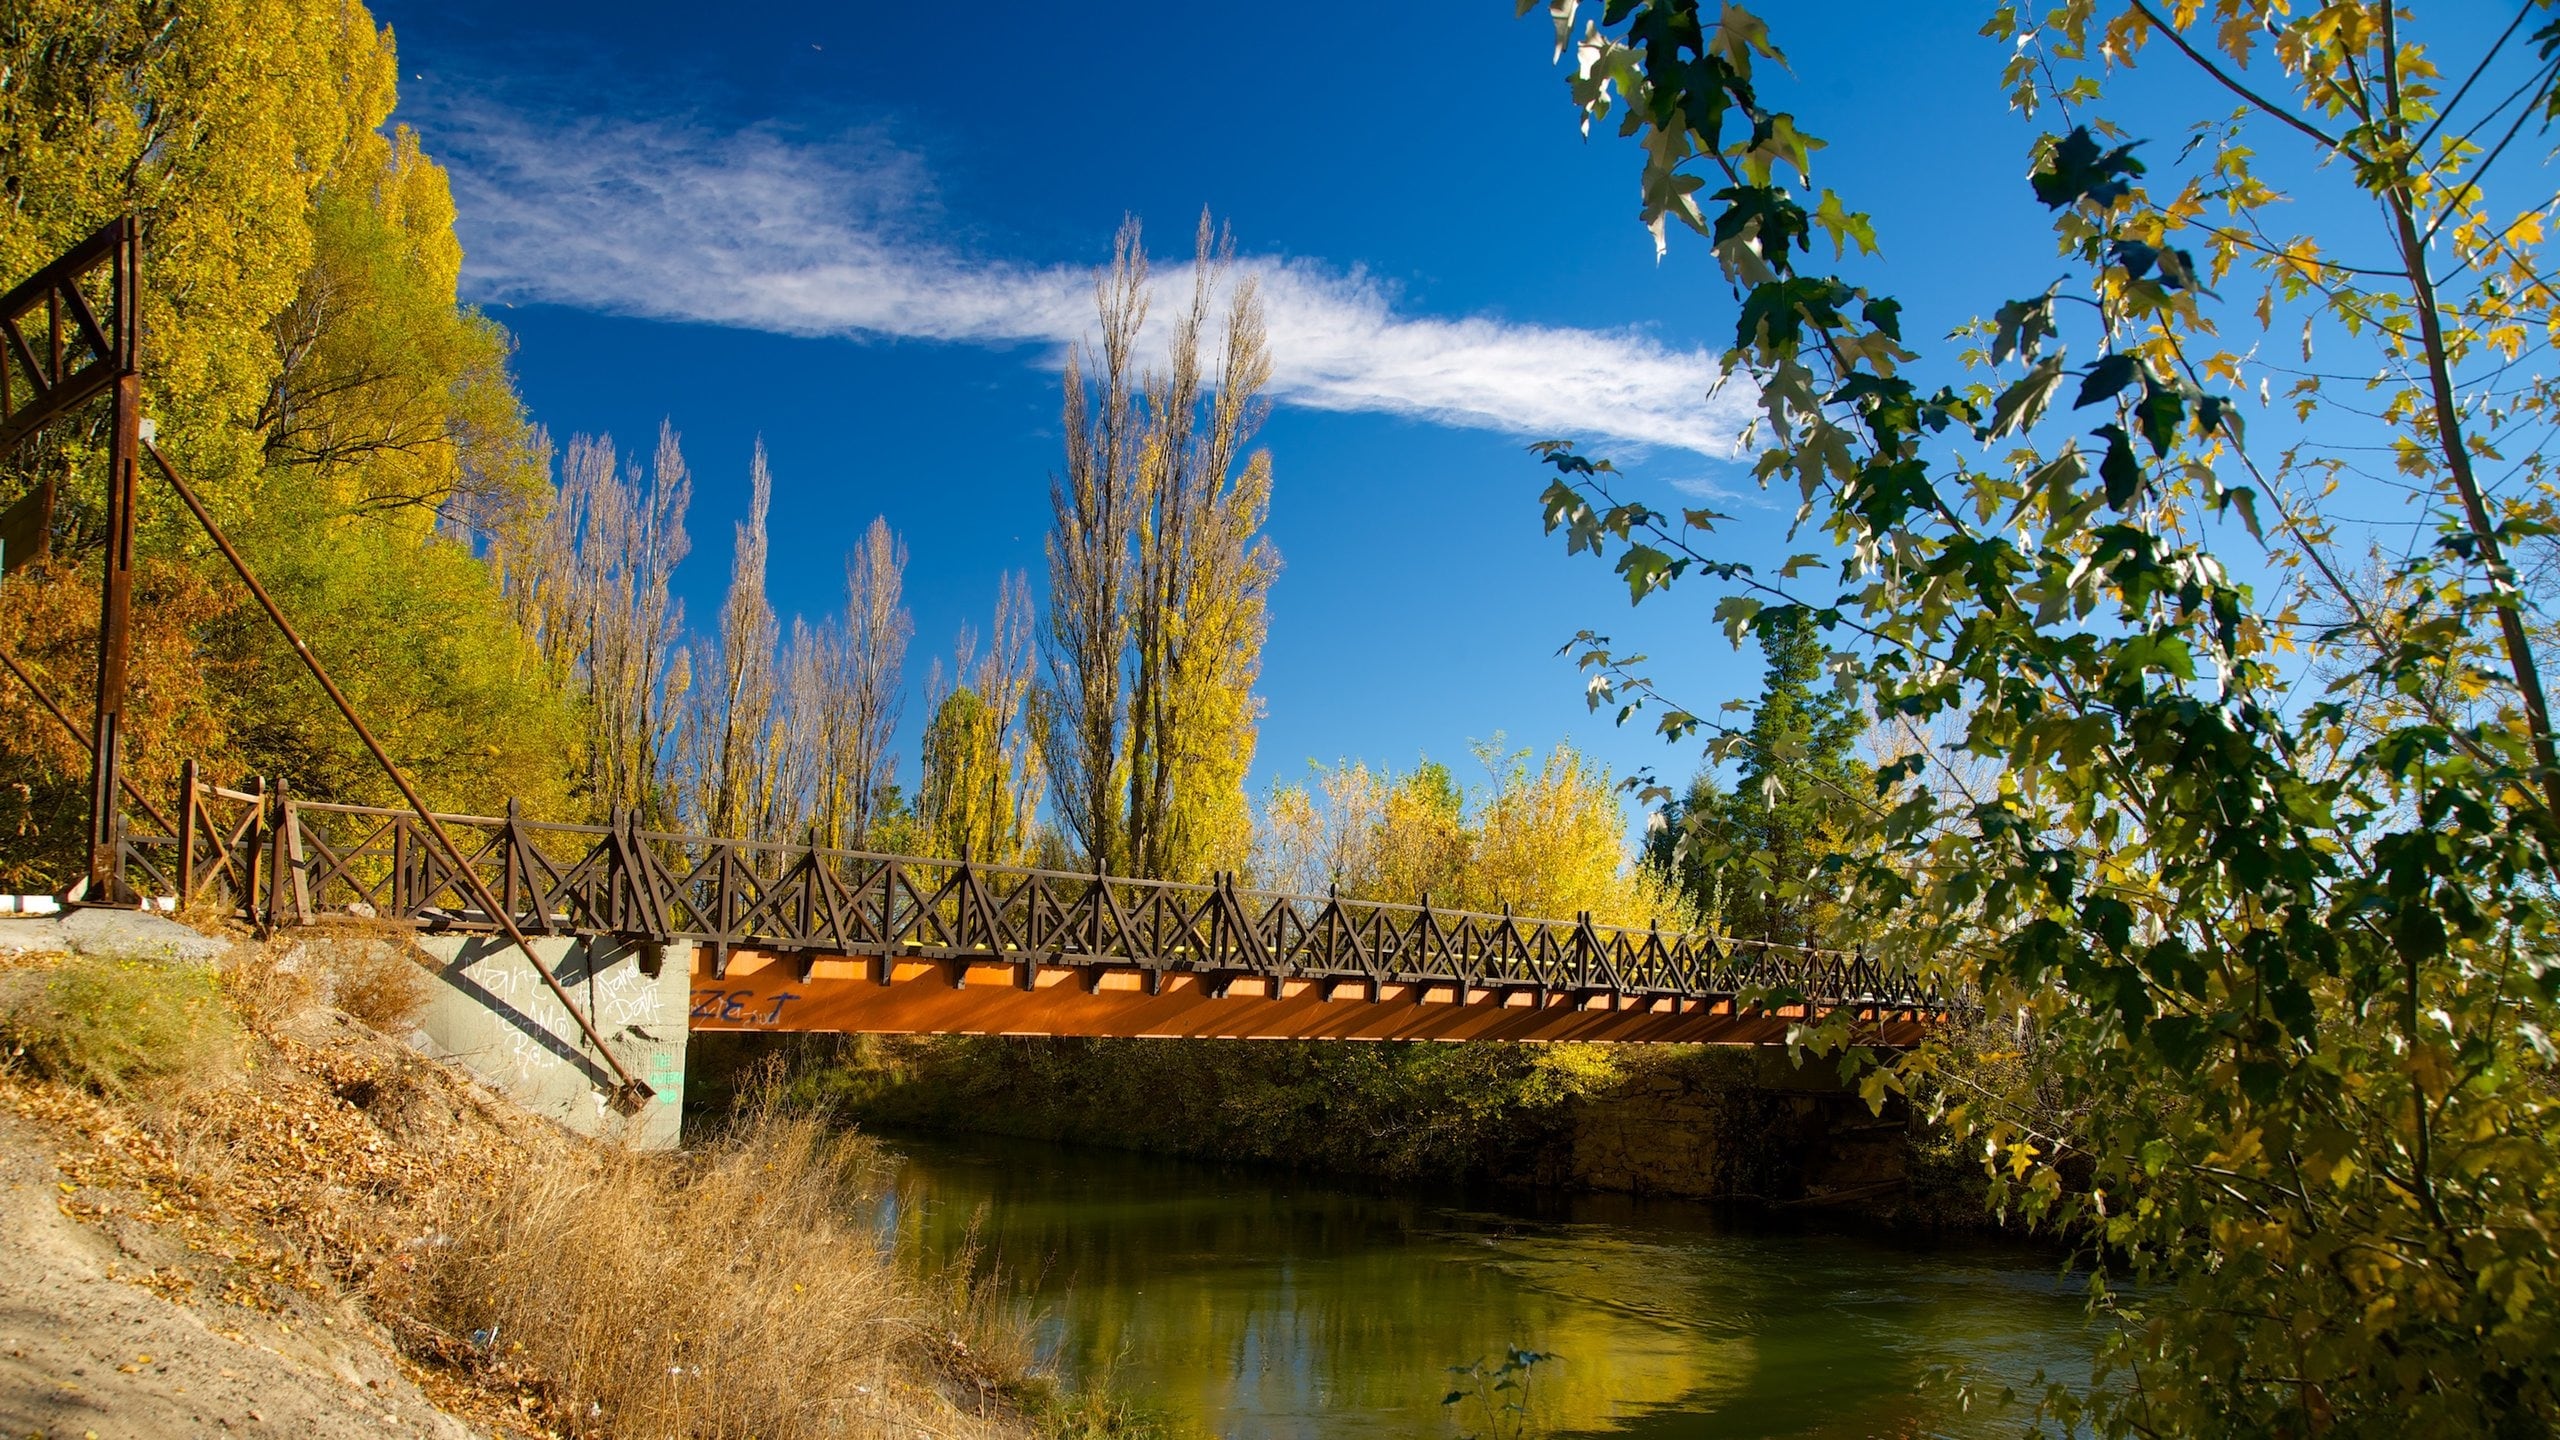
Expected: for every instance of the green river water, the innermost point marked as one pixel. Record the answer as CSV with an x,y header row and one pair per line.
x,y
1245,1303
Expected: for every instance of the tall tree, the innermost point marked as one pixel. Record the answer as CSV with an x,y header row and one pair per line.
x,y
1159,577
1750,860
387,394
631,542
843,693
307,364
1094,507
981,779
590,573
1204,573
872,690
735,763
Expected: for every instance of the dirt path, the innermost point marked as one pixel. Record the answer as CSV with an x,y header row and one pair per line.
x,y
83,1352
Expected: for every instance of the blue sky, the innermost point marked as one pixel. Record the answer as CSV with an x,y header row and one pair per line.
x,y
862,233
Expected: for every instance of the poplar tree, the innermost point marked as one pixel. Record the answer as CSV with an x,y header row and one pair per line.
x,y
1093,507
981,775
868,693
1159,577
734,757
589,570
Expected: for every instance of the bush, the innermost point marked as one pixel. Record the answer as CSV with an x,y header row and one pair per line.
x,y
380,985
113,1026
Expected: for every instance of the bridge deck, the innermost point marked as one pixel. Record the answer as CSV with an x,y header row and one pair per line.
x,y
791,937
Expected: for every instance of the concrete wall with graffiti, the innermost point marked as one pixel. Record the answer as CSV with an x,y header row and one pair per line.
x,y
491,1013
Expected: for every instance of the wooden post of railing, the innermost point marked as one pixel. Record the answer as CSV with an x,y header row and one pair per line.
x,y
1093,915
301,867
187,833
617,878
274,848
507,859
405,896
254,856
1581,952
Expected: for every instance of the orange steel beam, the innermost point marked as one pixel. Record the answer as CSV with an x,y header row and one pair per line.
x,y
762,992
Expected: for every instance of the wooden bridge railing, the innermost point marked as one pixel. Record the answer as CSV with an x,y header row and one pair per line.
x,y
275,860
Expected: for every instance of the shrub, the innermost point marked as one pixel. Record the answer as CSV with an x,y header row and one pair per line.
x,y
262,988
380,985
113,1026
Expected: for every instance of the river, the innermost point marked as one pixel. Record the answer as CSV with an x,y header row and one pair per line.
x,y
1245,1302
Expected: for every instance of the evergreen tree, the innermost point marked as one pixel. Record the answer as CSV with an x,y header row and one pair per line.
x,y
1748,860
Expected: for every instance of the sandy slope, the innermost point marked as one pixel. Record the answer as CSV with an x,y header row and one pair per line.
x,y
85,1352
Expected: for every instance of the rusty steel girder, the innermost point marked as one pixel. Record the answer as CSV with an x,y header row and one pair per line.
x,y
63,343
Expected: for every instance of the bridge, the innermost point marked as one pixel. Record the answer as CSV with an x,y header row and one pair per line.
x,y
780,937
784,937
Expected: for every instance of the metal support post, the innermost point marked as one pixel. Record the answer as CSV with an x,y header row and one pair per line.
x,y
115,627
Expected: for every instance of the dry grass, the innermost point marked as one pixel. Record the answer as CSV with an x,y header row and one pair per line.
x,y
382,985
262,990
371,970
536,1283
738,1291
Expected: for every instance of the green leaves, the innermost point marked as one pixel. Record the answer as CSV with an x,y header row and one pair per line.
x,y
2077,169
1765,211
1646,570
2177,268
2021,328
1498,1394
2024,402
1735,614
2272,966
2161,409
1775,314
2106,379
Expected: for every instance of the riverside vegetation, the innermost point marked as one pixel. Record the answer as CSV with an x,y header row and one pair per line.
x,y
2239,811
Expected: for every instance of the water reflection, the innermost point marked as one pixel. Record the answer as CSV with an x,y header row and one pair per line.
x,y
1249,1303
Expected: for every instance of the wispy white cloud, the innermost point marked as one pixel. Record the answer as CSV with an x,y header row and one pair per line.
x,y
1716,488
761,231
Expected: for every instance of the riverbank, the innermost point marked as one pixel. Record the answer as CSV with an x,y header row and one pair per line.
x,y
244,1203
1692,1122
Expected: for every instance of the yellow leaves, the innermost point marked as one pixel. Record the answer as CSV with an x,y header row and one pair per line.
x,y
2236,36
1844,226
2127,32
1737,36
2021,1158
2184,209
1783,144
1873,349
2431,1068
2298,261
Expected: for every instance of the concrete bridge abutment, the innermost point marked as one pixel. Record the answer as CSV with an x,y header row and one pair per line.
x,y
489,1011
